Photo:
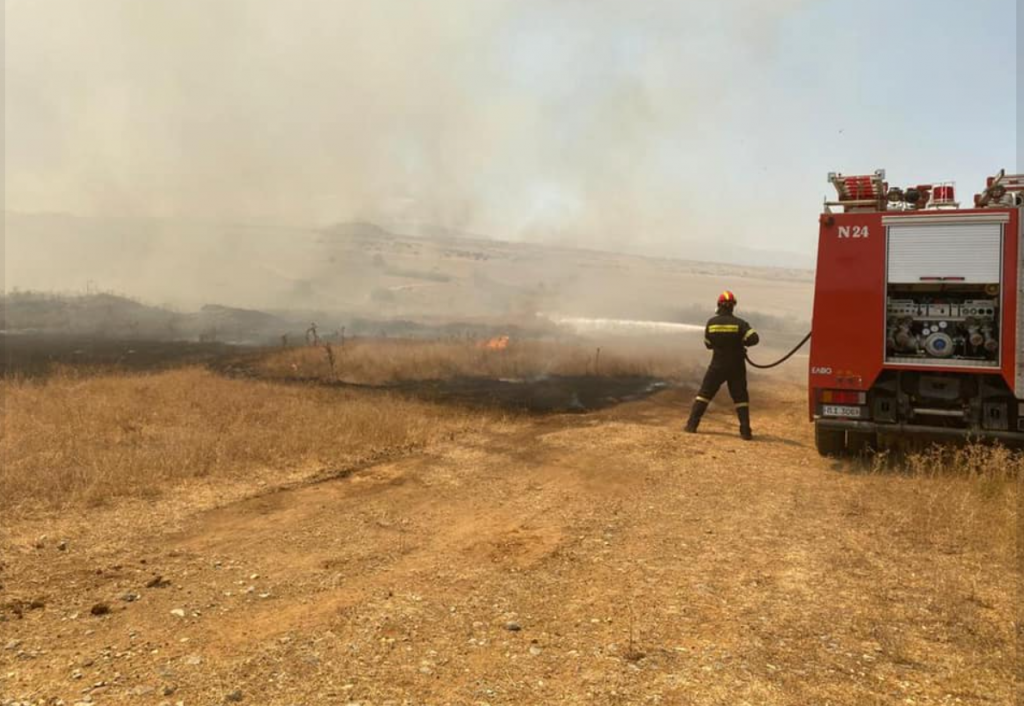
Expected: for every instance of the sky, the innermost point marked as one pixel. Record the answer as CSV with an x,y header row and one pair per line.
x,y
661,127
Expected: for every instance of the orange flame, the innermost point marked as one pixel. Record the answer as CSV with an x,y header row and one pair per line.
x,y
498,343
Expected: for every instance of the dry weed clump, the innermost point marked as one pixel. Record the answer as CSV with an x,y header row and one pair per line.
x,y
946,519
382,361
74,439
957,497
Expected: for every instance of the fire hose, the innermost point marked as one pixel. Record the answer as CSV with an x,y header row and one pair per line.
x,y
784,358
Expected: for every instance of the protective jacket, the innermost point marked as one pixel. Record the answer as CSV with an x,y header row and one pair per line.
x,y
728,337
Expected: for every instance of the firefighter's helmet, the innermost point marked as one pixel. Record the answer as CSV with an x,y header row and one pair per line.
x,y
727,298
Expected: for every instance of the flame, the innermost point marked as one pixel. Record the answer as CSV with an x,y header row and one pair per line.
x,y
498,343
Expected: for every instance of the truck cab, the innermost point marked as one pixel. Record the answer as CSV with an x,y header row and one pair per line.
x,y
918,314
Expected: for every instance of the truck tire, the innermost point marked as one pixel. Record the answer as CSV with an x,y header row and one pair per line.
x,y
861,443
830,442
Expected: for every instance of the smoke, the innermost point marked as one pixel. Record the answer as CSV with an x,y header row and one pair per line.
x,y
591,122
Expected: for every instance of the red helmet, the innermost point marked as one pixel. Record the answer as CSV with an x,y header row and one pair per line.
x,y
727,298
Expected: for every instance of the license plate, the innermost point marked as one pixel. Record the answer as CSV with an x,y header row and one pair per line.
x,y
837,410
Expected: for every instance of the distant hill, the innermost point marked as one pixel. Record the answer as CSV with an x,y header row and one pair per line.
x,y
114,316
370,272
89,313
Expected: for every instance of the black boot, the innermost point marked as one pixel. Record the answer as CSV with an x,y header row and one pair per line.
x,y
699,407
744,414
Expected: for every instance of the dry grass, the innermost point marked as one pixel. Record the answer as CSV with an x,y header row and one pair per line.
x,y
938,531
947,501
675,569
75,439
952,497
381,361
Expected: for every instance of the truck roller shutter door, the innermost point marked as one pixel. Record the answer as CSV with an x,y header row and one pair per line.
x,y
969,252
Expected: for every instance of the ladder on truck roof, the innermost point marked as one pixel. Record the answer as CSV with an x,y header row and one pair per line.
x,y
861,191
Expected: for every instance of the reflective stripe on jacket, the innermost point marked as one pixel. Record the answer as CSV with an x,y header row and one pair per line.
x,y
729,336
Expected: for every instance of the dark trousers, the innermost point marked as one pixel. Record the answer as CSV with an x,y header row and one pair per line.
x,y
716,376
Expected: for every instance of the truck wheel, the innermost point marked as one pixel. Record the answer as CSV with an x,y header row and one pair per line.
x,y
861,443
830,442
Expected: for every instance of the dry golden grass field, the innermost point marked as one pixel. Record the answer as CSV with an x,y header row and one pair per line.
x,y
83,440
182,537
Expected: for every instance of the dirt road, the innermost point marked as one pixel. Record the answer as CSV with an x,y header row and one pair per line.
x,y
603,558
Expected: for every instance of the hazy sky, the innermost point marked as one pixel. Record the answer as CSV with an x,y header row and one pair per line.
x,y
613,124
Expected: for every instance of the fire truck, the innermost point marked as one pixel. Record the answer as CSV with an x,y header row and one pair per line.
x,y
918,314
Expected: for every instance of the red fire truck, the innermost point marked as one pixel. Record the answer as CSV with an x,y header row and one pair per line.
x,y
918,307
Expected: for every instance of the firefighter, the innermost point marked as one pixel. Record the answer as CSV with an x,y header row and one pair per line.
x,y
729,337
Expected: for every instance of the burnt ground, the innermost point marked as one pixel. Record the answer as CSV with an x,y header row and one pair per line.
x,y
38,355
542,395
556,393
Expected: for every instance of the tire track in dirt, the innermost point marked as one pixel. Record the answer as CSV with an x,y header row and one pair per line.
x,y
637,564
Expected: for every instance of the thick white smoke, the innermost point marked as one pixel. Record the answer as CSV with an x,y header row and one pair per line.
x,y
593,122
